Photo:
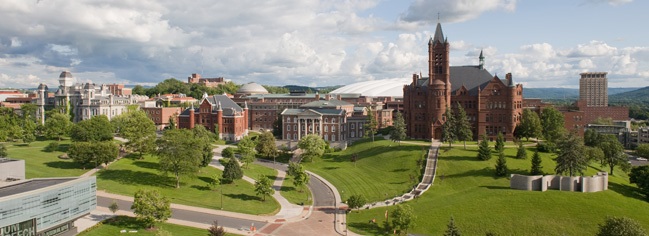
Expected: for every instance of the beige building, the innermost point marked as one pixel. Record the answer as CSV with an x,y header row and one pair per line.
x,y
593,89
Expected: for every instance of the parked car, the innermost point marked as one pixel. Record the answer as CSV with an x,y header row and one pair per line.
x,y
641,159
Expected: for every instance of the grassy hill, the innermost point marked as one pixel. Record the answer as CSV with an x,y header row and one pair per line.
x,y
482,203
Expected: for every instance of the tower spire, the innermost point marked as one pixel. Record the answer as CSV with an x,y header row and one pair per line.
x,y
481,59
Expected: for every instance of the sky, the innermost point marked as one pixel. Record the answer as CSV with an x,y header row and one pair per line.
x,y
318,43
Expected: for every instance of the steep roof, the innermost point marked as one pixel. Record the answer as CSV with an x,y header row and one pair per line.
x,y
439,35
225,101
319,111
472,77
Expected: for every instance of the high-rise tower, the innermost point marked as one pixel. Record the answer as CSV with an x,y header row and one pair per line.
x,y
593,89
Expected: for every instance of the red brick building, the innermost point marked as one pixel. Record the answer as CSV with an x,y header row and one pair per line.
x,y
161,115
492,105
217,111
209,82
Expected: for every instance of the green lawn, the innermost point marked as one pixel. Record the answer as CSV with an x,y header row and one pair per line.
x,y
254,170
479,202
113,226
293,195
42,164
383,169
127,175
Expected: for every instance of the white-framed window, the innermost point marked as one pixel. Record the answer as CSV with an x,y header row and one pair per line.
x,y
294,136
333,128
352,134
333,137
326,128
326,137
333,120
326,120
288,128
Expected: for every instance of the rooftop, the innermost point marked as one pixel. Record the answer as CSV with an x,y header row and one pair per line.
x,y
30,185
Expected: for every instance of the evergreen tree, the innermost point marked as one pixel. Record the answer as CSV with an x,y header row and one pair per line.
x,y
484,151
448,128
3,150
277,126
462,126
371,124
172,122
521,153
451,229
500,143
399,132
536,169
232,171
571,158
501,165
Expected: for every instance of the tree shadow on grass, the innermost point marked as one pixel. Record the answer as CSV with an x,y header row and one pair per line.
x,y
400,170
330,168
496,187
460,158
207,180
484,172
65,165
129,177
201,188
125,222
147,165
627,191
370,228
244,197
287,188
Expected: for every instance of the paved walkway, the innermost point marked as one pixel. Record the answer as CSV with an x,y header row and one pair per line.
x,y
426,181
233,222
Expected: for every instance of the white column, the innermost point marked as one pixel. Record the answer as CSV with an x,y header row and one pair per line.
x,y
321,130
299,128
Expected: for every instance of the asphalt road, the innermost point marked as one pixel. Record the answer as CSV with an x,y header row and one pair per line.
x,y
192,216
322,195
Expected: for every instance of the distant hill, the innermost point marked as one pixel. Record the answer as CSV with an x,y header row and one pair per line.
x,y
551,93
565,93
641,94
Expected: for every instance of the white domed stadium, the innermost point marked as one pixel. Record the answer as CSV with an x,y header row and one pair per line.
x,y
376,88
252,88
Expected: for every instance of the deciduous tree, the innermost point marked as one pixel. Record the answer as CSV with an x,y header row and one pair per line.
x,y
642,150
138,129
266,145
571,158
552,123
399,132
203,142
113,207
621,226
356,201
247,150
177,153
232,171
57,126
312,146
149,206
613,153
3,150
530,126
228,152
263,187
640,176
97,128
591,138
403,218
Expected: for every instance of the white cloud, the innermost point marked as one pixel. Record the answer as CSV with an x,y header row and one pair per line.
x,y
426,11
592,49
610,2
